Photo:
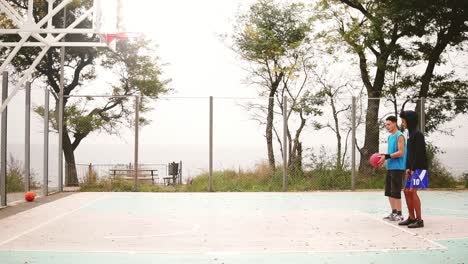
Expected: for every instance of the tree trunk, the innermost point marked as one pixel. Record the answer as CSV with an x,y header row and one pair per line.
x,y
299,155
426,79
337,133
270,118
70,165
338,153
374,92
295,167
371,142
269,133
295,161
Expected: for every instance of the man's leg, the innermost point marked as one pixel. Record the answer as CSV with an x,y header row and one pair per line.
x,y
398,204
417,204
409,202
396,184
417,207
399,187
394,203
388,193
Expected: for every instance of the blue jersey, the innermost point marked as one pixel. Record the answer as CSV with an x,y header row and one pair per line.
x,y
398,163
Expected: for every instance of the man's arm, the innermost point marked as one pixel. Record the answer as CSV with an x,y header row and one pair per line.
x,y
399,153
401,148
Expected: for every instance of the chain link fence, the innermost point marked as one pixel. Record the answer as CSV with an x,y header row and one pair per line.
x,y
129,143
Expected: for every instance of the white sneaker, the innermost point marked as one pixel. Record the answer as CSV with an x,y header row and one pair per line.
x,y
389,217
398,218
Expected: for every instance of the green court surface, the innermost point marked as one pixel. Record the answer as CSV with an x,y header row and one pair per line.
x,y
344,227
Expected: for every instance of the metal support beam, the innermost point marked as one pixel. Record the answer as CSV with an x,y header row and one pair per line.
x,y
16,31
61,109
353,144
3,152
25,78
55,44
27,139
137,125
285,144
45,184
211,146
46,46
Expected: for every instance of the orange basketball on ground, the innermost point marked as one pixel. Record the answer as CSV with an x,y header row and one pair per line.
x,y
29,196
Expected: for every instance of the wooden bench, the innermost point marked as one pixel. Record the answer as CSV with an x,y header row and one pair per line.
x,y
129,172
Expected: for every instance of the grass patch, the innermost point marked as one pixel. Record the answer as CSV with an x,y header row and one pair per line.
x,y
15,176
262,179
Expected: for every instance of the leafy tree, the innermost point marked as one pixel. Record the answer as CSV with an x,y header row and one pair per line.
x,y
273,38
134,64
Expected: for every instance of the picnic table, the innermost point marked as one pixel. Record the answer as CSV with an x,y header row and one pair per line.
x,y
152,172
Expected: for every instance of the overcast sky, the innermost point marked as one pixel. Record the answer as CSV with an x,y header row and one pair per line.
x,y
187,33
200,64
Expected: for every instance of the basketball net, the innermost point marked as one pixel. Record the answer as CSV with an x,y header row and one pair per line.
x,y
110,21
111,38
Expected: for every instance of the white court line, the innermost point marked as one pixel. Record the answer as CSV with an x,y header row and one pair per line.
x,y
454,238
187,252
51,221
406,231
193,230
446,209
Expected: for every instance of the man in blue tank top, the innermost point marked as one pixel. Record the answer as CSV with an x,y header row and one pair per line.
x,y
396,166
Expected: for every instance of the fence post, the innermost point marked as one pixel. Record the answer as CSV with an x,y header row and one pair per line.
x,y
285,144
180,172
90,171
45,184
211,146
60,127
27,139
61,109
137,125
3,155
353,144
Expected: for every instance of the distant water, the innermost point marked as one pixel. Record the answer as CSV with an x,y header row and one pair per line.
x,y
194,157
456,160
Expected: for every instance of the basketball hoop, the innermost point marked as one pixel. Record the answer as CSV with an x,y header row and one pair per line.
x,y
110,22
110,38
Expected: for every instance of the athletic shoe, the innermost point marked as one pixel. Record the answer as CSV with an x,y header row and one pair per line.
x,y
416,224
389,217
398,218
407,222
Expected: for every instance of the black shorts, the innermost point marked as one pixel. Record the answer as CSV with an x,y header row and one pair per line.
x,y
394,183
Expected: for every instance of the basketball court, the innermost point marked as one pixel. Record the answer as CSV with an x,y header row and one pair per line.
x,y
325,227
233,228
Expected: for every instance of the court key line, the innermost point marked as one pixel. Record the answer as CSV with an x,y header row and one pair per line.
x,y
51,221
193,230
406,231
